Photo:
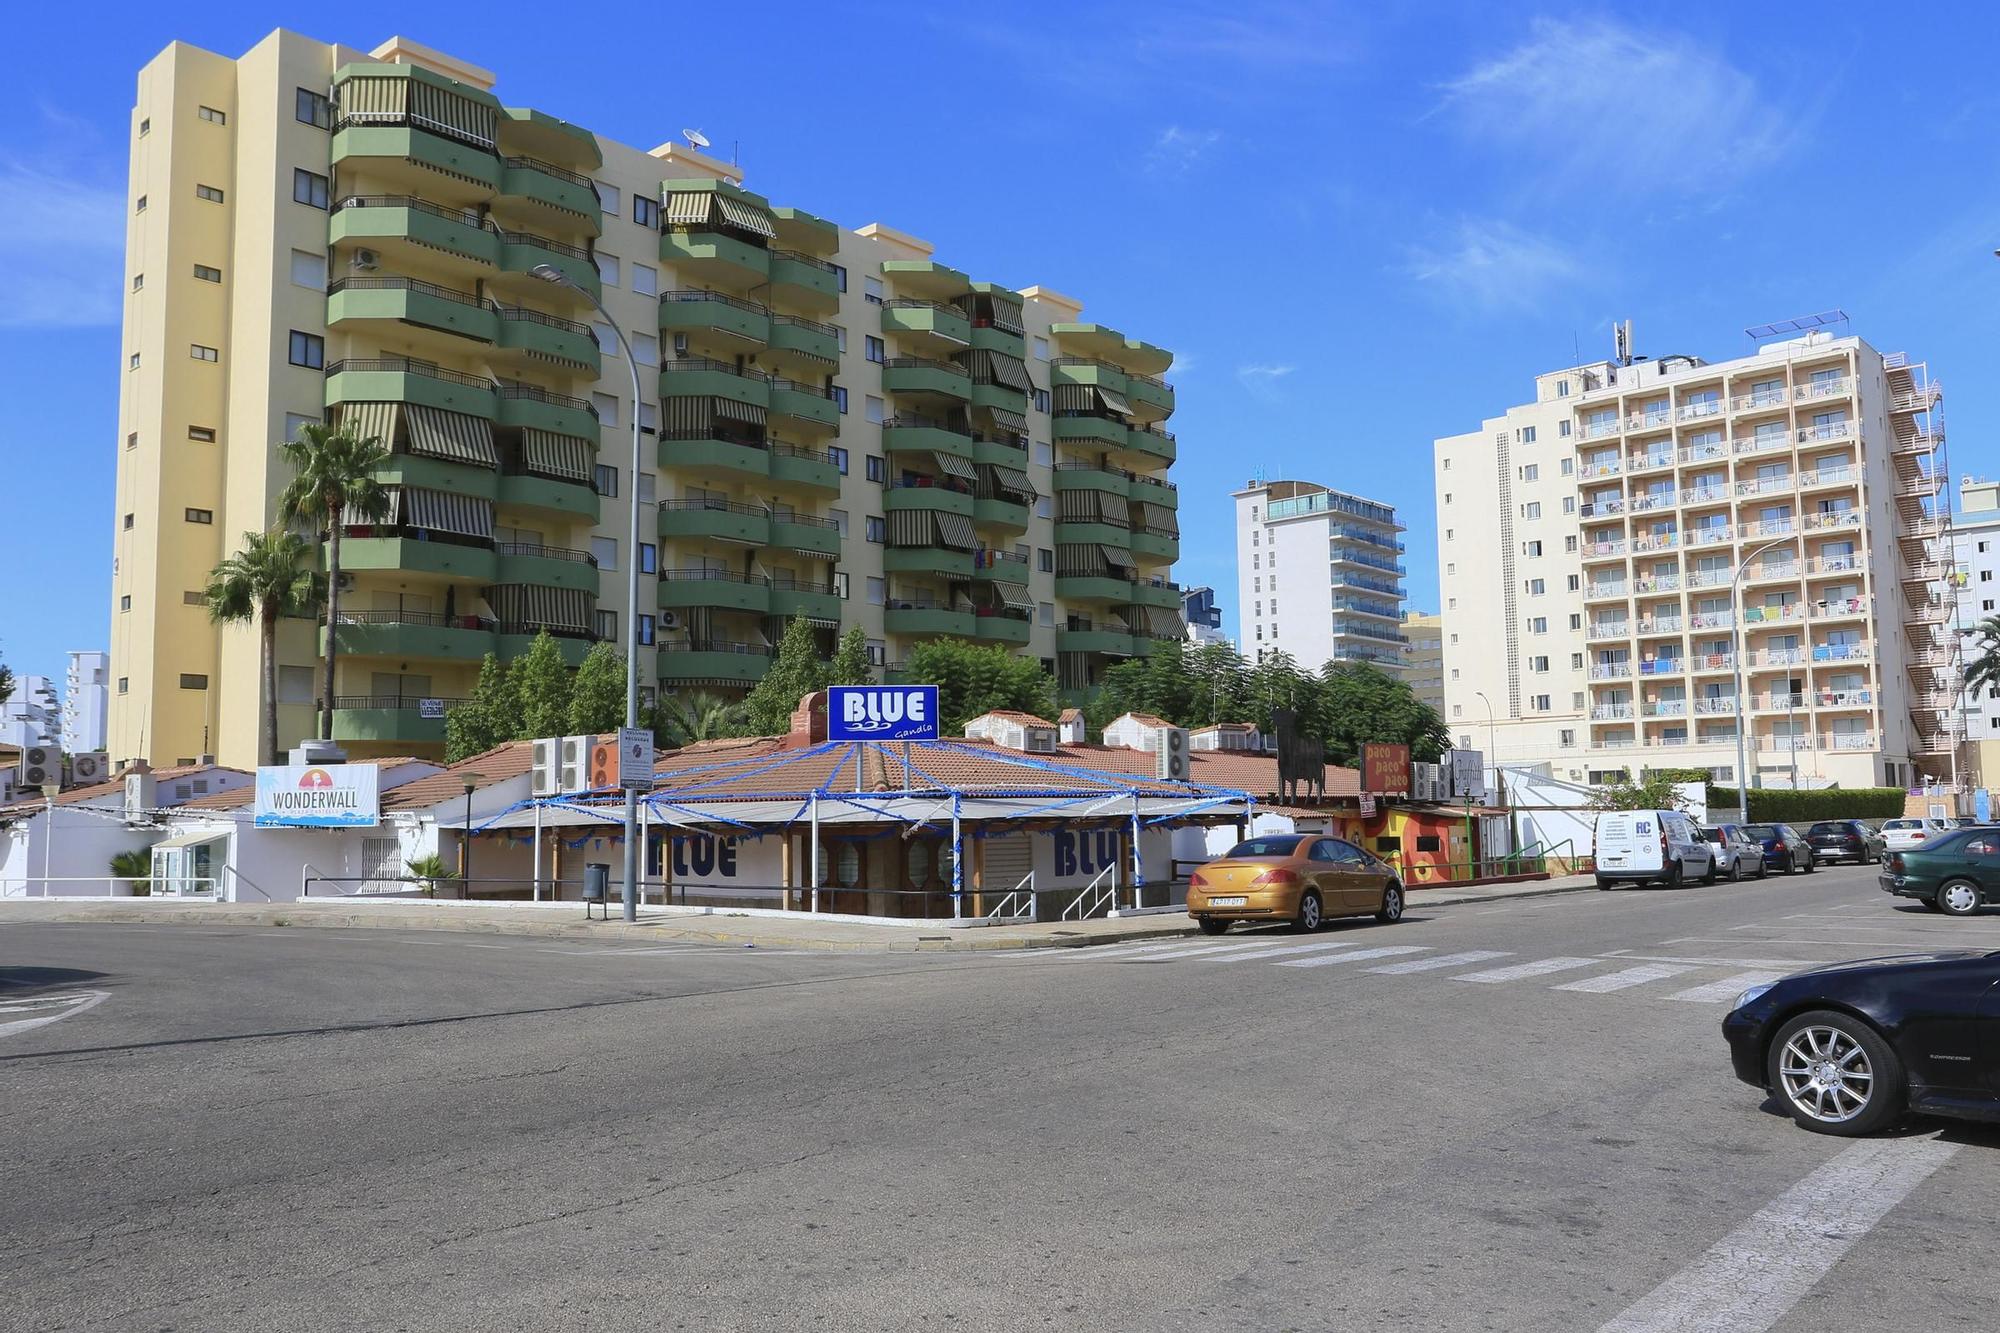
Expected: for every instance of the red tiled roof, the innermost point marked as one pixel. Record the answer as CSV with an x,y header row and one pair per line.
x,y
1228,726
1143,719
1013,715
496,765
116,786
1069,713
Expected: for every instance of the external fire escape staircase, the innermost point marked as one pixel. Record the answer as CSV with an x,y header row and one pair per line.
x,y
1924,554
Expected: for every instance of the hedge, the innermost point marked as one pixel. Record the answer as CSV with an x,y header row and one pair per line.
x,y
1770,805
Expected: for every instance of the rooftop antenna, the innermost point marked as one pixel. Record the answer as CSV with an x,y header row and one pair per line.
x,y
695,137
1621,337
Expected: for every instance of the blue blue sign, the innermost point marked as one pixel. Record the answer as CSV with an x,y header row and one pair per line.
x,y
1982,806
882,713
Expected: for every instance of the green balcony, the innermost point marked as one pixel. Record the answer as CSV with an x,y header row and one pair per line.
x,y
398,722
808,405
537,337
1071,477
817,601
527,405
998,513
712,258
1154,493
802,532
805,338
550,138
405,230
1000,629
392,379
1081,370
550,495
1154,547
1099,534
933,498
715,319
523,252
924,436
925,278
551,186
928,325
445,559
408,635
353,303
1002,567
704,377
926,620
919,375
991,339
999,398
715,456
1163,595
1110,643
1005,455
1153,443
1097,430
412,156
1116,592
515,641
715,520
740,664
927,560
546,566
808,468
437,474
684,589
804,281
1151,398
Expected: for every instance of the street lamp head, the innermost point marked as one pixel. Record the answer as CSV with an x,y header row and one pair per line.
x,y
549,273
471,784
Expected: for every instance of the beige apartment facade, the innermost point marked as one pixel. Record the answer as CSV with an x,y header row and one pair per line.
x,y
1423,657
835,424
1589,545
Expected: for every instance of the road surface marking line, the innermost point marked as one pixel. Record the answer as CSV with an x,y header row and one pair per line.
x,y
1176,954
1726,989
488,946
1796,964
1448,960
72,1004
1541,967
1242,954
1631,976
1751,1278
1388,951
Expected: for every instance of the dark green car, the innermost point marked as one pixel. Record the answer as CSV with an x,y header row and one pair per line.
x,y
1957,873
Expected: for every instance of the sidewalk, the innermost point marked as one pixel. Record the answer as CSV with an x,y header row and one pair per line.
x,y
658,924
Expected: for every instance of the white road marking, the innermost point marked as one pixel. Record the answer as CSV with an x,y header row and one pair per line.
x,y
1388,952
1751,1278
1177,954
1321,947
59,1007
1726,989
1631,976
1541,967
1446,960
470,945
1795,964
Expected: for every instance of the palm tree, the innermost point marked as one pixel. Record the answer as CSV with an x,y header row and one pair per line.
x,y
1983,671
268,578
333,479
137,866
683,719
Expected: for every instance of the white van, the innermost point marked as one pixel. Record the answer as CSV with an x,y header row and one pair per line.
x,y
1640,846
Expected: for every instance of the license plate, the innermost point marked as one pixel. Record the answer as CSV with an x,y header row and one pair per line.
x,y
1237,901
1614,860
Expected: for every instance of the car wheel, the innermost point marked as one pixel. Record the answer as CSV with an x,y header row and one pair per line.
x,y
1957,897
1836,1074
1211,925
1708,875
1309,917
1603,884
1392,905
1812,863
1735,869
1674,875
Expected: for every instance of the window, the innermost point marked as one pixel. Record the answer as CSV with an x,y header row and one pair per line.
x,y
1562,429
1045,613
208,192
1576,661
1533,509
193,598
649,558
1043,509
839,457
1566,739
211,115
648,494
878,468
871,290
1451,534
202,353
1569,504
878,591
839,276
645,280
1527,435
645,349
1532,472
604,479
138,282
1986,576
193,681
309,108
646,211
308,270
145,127
607,268
1568,466
1447,500
195,516
1045,560
649,423
295,685
873,409
1569,543
308,350
1575,583
128,522
607,408
1041,349
839,517
1044,456
1562,388
1539,702
872,348
125,602
607,626
645,630
841,588
1536,587
840,398
132,440
207,274
1576,622
1538,664
839,336
124,684
1041,400
875,529
295,421
1538,625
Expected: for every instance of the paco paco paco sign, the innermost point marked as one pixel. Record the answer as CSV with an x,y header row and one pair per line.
x,y
318,796
882,713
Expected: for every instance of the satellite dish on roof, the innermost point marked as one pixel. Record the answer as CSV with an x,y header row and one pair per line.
x,y
695,137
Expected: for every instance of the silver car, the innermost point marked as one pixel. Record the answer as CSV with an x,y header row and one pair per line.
x,y
1736,855
1902,835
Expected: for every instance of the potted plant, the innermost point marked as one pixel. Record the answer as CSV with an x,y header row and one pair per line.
x,y
429,870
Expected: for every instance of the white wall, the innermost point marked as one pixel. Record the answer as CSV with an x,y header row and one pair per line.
x,y
85,840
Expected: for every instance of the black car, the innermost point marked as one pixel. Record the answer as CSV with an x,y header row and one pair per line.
x,y
1785,848
1850,1048
1845,840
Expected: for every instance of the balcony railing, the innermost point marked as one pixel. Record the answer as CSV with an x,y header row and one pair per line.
x,y
1830,476
1660,625
695,364
714,507
697,297
550,169
422,619
1610,712
407,703
541,552
1611,671
540,242
810,261
805,520
405,366
925,363
1839,388
1609,629
1702,453
463,216
1759,400
527,316
1837,430
721,646
1608,469
421,288
534,393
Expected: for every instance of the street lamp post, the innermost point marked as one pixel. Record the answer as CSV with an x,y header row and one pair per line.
x,y
1742,713
1492,741
550,273
465,840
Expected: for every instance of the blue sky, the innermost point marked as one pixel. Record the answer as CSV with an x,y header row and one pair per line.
x,y
1359,226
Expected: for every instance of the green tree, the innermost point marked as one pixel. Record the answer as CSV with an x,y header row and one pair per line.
x,y
973,679
597,694
850,660
1655,791
540,683
1276,681
6,681
1357,703
269,577
137,866
333,479
1158,684
484,720
1983,671
430,870
1218,685
684,719
797,671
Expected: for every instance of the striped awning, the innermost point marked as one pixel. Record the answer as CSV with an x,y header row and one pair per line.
x,y
1112,508
1012,482
951,465
1074,398
1006,313
1013,421
731,410
460,117
955,531
1161,622
746,217
436,433
556,455
1080,560
368,99
1015,595
1113,401
1155,516
1116,558
1004,370
372,421
448,511
1077,506
533,606
350,516
696,416
910,527
688,208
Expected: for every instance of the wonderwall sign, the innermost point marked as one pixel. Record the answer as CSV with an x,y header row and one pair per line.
x,y
318,796
882,713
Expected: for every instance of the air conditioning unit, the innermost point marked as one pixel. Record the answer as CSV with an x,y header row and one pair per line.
x,y
365,261
603,767
1173,761
545,772
669,620
346,581
574,771
87,769
41,766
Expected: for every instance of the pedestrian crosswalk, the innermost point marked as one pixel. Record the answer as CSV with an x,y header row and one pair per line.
x,y
1576,974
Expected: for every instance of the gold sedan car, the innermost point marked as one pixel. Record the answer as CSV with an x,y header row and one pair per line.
x,y
1303,878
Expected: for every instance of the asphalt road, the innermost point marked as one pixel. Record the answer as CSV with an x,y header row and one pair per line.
x,y
1516,1116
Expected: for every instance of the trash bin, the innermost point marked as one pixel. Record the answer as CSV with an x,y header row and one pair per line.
x,y
597,886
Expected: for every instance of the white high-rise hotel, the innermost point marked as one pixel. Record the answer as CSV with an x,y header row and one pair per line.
x,y
1589,543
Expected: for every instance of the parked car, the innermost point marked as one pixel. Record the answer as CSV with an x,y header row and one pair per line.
x,y
1784,847
1849,1048
1899,835
1845,840
1297,877
1643,846
1962,821
1735,854
1955,873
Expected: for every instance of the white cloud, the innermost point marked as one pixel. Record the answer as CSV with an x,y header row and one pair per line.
x,y
1262,379
1608,105
1184,362
1491,264
1177,149
66,240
